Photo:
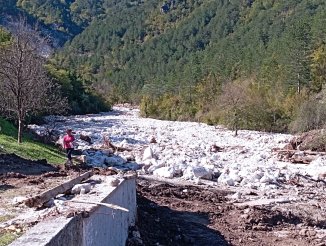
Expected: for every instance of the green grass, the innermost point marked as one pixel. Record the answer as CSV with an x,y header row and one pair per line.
x,y
7,237
29,149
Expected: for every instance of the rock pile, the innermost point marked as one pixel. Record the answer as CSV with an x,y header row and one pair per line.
x,y
187,150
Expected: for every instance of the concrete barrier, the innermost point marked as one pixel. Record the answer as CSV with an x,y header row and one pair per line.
x,y
104,226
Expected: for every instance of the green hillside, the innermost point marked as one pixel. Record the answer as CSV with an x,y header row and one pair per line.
x,y
28,149
253,64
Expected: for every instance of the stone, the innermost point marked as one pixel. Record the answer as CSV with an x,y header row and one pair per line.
x,y
230,182
83,158
152,168
77,188
197,172
148,154
11,228
165,172
49,203
266,179
18,200
311,233
114,182
303,232
237,195
150,162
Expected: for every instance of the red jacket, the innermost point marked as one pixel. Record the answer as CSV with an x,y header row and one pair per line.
x,y
67,141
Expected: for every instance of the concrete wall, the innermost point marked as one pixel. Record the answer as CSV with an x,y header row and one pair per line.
x,y
104,226
57,232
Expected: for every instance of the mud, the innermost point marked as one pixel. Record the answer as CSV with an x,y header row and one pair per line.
x,y
15,164
191,215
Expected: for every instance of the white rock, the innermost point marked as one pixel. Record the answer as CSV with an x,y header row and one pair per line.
x,y
148,154
124,143
78,187
266,179
244,181
114,182
257,176
165,172
230,182
197,172
235,176
151,162
198,181
18,200
83,158
152,168
237,195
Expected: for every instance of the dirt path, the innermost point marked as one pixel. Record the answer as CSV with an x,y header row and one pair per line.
x,y
188,215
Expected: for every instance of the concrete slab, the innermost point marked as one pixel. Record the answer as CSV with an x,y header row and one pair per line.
x,y
103,226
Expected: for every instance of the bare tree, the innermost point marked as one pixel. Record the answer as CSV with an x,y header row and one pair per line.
x,y
25,88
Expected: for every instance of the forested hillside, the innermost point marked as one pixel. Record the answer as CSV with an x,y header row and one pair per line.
x,y
256,64
81,96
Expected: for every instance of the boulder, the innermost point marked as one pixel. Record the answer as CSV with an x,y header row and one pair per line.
x,y
152,168
84,188
197,172
148,154
165,172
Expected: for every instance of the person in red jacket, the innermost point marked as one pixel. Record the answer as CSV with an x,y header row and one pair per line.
x,y
68,140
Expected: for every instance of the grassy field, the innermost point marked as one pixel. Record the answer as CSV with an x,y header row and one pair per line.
x,y
29,149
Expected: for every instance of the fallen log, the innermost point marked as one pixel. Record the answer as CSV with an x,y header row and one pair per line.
x,y
39,200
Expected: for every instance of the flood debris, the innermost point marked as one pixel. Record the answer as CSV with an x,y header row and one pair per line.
x,y
40,199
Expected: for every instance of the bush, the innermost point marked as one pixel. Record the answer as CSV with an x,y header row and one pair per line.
x,y
311,115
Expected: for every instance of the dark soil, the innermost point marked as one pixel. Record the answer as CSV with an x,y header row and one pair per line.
x,y
11,163
192,215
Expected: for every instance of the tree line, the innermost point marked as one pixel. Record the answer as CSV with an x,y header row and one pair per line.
x,y
189,63
248,64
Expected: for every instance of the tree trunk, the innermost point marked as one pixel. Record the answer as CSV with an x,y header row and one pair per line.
x,y
235,124
20,130
298,85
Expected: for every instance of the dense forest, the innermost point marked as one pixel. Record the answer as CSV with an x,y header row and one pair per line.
x,y
254,64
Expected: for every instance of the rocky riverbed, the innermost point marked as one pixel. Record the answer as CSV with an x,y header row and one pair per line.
x,y
190,153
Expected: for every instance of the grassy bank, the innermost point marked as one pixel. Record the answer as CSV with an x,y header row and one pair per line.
x,y
29,149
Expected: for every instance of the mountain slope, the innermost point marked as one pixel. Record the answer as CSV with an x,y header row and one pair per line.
x,y
178,57
137,45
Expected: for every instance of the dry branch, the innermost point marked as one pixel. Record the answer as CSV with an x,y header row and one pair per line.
x,y
39,200
108,144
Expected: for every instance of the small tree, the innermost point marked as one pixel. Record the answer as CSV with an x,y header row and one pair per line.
x,y
233,103
25,88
